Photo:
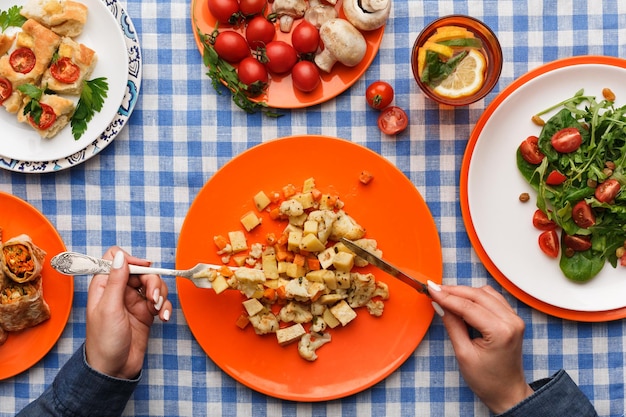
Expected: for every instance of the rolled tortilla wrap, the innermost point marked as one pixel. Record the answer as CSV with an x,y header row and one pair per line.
x,y
22,305
20,259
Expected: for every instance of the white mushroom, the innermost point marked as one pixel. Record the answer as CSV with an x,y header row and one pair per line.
x,y
342,43
287,11
367,14
317,14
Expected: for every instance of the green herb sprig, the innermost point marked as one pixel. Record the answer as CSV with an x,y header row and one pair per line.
x,y
11,17
32,107
91,101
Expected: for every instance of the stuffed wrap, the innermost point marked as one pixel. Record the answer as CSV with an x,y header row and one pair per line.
x,y
22,305
20,259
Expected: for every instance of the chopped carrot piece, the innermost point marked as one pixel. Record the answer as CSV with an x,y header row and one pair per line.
x,y
313,264
332,201
317,194
298,259
270,238
226,271
366,177
275,214
281,255
275,197
289,190
242,321
283,239
281,293
220,241
269,294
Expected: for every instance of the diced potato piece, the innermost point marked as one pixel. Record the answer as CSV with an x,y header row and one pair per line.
x,y
342,279
250,275
261,201
328,299
310,228
442,50
250,220
330,319
294,271
321,275
326,257
306,199
270,267
293,241
238,241
290,334
271,283
311,243
253,306
326,202
282,267
309,185
298,220
343,312
219,284
240,260
343,261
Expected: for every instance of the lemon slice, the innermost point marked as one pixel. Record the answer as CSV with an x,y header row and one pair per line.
x,y
466,79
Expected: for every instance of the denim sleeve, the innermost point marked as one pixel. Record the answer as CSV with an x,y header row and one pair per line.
x,y
78,390
557,396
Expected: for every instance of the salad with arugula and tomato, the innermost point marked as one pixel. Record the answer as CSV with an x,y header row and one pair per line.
x,y
577,166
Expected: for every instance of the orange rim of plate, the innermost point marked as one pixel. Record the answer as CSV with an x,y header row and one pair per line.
x,y
586,316
281,94
389,207
25,348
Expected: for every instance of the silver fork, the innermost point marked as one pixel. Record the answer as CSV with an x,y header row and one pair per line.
x,y
72,263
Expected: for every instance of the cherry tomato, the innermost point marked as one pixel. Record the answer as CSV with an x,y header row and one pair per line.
x,y
281,57
305,76
555,178
305,38
566,140
231,46
224,11
6,89
47,118
252,7
379,95
542,222
23,60
529,149
260,32
65,71
583,215
607,191
577,242
392,120
253,74
549,243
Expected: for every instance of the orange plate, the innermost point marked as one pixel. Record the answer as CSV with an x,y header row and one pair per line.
x,y
280,93
394,213
24,349
582,72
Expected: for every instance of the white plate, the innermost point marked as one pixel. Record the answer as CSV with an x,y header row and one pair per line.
x,y
110,32
501,222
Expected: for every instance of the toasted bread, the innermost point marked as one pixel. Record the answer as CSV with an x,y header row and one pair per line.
x,y
63,108
81,56
63,17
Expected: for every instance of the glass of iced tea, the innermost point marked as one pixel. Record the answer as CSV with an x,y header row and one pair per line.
x,y
456,60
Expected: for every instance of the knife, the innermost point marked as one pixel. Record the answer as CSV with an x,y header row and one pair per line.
x,y
385,266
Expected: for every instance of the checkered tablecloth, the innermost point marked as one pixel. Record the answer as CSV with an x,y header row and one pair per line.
x,y
136,192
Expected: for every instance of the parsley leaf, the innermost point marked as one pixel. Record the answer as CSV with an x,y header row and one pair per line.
x,y
11,17
33,107
90,102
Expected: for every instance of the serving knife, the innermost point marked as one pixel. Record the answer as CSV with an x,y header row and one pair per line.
x,y
385,266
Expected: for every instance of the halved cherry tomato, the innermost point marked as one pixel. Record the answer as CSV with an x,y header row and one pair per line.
x,y
583,215
542,222
6,89
305,76
379,95
252,7
566,140
607,190
577,243
392,120
549,243
305,38
65,70
281,57
529,149
48,117
231,46
555,178
224,11
22,60
260,32
253,74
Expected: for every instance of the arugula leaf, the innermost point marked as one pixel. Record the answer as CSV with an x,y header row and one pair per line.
x,y
11,17
91,101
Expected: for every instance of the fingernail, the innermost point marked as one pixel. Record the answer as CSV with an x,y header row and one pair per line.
x,y
438,308
166,315
159,303
118,260
155,295
433,286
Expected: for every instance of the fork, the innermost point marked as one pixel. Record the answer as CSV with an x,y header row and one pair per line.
x,y
72,263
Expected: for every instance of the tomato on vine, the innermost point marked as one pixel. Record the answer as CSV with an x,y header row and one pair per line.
x,y
224,11
260,32
379,95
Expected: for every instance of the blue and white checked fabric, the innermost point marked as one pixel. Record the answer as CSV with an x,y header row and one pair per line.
x,y
137,191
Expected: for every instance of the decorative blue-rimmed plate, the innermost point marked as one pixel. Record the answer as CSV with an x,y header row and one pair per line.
x,y
110,32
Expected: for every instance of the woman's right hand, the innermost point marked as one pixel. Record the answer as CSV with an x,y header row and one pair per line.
x,y
492,363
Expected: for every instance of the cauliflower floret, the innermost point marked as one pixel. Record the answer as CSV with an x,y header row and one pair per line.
x,y
308,345
291,208
325,220
362,289
295,312
318,325
382,290
346,226
298,288
375,308
370,245
264,322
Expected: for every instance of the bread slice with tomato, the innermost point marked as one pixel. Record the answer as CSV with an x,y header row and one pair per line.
x,y
64,17
56,113
73,64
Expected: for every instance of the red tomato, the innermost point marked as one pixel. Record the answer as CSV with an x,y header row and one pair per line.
x,y
231,46
22,60
252,7
47,118
583,215
542,222
224,11
305,38
555,178
549,243
566,140
281,57
530,150
6,89
379,95
65,71
607,190
577,242
392,120
260,32
253,74
305,76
